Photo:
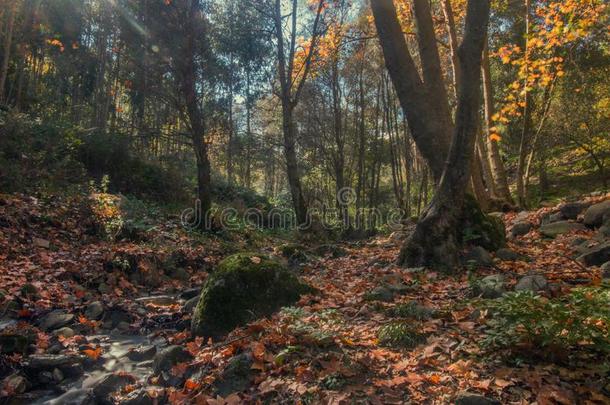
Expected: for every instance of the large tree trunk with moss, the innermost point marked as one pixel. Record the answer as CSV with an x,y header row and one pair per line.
x,y
436,241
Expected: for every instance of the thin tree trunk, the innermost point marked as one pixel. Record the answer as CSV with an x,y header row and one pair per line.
x,y
527,118
8,42
495,160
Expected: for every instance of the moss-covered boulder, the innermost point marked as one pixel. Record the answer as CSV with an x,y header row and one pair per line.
x,y
480,229
245,286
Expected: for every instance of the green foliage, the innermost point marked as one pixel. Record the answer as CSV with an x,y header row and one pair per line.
x,y
411,309
399,334
525,320
35,155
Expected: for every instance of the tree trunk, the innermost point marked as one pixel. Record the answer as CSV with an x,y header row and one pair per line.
x,y
8,42
423,112
527,118
495,160
435,242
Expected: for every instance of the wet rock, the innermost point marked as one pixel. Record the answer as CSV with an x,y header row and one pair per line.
x,y
190,304
58,375
490,287
142,397
572,210
520,229
534,283
69,365
508,255
94,310
474,399
16,343
105,387
65,332
604,232
236,376
479,257
190,293
557,228
115,316
56,319
15,384
381,293
597,214
169,357
597,255
142,353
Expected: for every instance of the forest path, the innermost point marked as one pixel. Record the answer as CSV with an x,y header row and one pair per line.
x,y
374,333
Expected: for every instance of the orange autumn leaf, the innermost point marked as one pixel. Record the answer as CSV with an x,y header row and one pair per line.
x,y
93,354
191,385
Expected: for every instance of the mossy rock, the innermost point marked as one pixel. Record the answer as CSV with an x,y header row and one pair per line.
x,y
289,249
480,229
245,286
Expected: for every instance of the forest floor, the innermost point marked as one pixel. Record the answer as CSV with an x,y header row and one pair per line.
x,y
82,318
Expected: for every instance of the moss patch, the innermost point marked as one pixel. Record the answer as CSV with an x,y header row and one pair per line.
x,y
480,229
244,287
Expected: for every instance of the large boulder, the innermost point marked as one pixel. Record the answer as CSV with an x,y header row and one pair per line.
x,y
245,286
557,228
596,214
597,255
467,398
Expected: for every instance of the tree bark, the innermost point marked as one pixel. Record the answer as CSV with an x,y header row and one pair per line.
x,y
428,129
8,42
527,118
495,160
435,242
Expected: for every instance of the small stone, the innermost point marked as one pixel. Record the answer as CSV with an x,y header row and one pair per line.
x,y
490,287
42,243
520,229
594,215
29,290
94,310
381,293
474,399
236,375
190,293
56,319
557,228
169,357
58,376
103,288
556,217
103,389
597,255
532,283
142,353
479,257
508,255
606,270
65,332
16,383
190,304
578,241
572,210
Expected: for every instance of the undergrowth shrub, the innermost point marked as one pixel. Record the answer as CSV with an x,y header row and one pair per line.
x,y
400,334
522,321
